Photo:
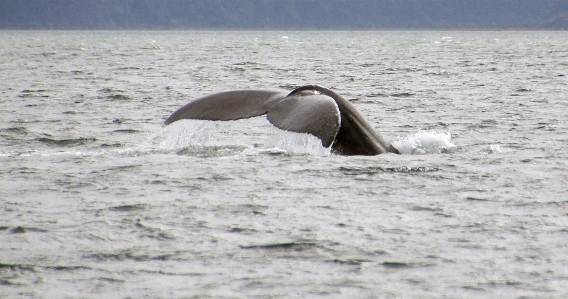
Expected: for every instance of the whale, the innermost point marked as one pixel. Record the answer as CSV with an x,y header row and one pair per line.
x,y
310,109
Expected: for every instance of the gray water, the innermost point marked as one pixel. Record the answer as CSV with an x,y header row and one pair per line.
x,y
99,200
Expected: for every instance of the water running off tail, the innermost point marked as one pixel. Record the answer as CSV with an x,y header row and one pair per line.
x,y
196,133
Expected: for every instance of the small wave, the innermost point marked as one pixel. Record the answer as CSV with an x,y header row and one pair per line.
x,y
424,142
128,208
133,255
24,229
492,149
66,142
213,151
295,246
372,170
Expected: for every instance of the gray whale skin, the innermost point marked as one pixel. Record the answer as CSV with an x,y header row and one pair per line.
x,y
308,109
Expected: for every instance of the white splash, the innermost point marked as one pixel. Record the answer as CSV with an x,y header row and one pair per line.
x,y
182,133
300,143
188,133
492,149
424,142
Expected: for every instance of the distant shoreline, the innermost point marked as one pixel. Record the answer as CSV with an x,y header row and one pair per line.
x,y
285,15
308,30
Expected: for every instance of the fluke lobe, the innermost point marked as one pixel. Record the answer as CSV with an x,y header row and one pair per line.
x,y
308,109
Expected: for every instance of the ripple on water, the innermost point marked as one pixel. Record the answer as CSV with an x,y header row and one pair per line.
x,y
213,151
66,142
371,170
98,199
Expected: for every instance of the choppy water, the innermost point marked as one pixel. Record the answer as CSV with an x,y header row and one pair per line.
x,y
99,200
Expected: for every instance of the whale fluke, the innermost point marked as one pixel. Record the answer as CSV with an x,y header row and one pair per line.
x,y
309,109
315,114
229,105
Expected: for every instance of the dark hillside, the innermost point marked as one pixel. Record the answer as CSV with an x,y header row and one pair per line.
x,y
284,14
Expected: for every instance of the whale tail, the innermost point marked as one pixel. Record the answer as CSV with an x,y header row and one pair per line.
x,y
229,105
308,109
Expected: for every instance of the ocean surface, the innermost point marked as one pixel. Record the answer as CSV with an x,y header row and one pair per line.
x,y
99,200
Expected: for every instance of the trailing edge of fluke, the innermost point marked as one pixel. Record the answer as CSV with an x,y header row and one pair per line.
x,y
308,109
